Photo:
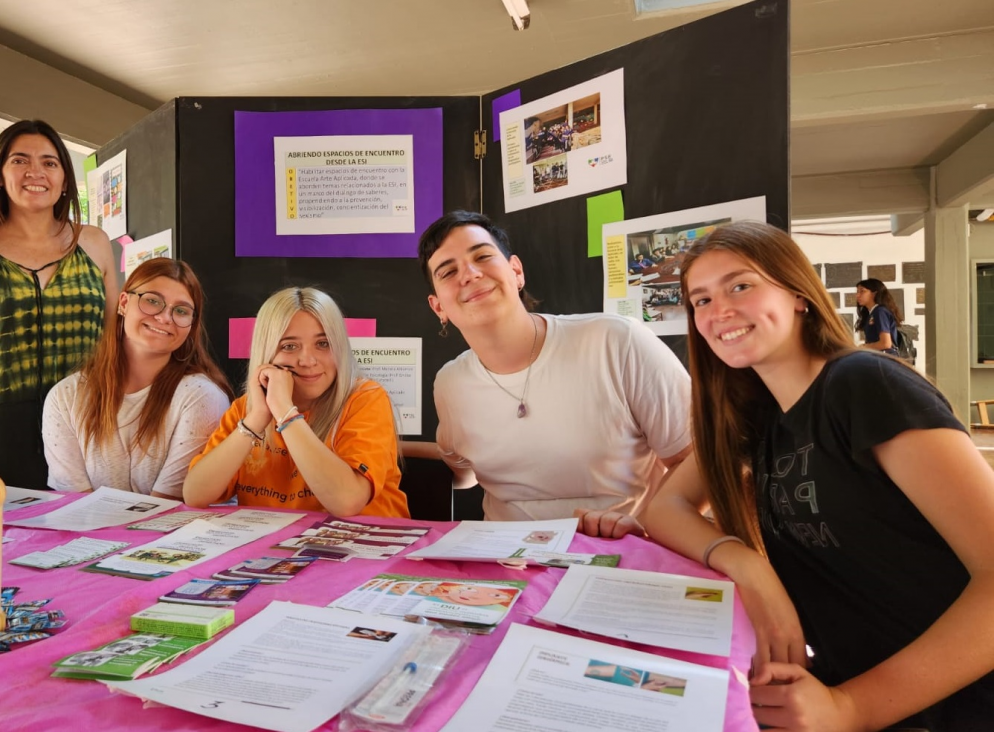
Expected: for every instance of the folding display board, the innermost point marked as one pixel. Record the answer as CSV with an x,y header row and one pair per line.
x,y
707,121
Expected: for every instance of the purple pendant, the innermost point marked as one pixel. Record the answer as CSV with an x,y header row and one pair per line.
x,y
522,410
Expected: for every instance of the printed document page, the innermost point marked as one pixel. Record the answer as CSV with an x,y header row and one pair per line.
x,y
199,541
542,681
290,668
98,510
21,497
510,541
665,610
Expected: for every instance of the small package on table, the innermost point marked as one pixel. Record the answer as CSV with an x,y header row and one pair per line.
x,y
189,621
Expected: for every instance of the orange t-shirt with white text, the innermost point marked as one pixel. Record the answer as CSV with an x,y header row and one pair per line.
x,y
365,439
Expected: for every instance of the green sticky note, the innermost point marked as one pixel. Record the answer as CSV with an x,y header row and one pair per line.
x,y
89,163
603,209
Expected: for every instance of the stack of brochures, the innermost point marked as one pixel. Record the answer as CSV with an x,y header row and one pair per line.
x,y
341,541
189,621
125,658
268,570
76,551
474,605
219,593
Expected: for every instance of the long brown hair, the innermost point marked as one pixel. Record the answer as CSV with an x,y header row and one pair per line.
x,y
725,399
104,375
68,204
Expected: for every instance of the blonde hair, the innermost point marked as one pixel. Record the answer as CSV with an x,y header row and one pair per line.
x,y
271,323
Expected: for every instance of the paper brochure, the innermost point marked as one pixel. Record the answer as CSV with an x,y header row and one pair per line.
x,y
290,668
509,542
665,610
542,680
100,509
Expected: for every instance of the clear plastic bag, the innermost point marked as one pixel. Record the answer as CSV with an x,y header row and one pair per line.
x,y
395,703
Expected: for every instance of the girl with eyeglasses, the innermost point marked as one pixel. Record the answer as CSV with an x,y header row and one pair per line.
x,y
139,410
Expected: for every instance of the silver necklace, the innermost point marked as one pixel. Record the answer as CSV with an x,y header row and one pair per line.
x,y
522,408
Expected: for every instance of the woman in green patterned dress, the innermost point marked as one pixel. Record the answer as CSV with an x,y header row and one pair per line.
x,y
58,286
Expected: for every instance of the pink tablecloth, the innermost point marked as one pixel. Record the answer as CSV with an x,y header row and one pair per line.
x,y
98,608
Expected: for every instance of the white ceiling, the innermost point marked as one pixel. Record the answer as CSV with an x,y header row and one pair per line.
x,y
875,85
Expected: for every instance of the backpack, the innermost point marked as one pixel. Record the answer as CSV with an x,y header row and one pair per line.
x,y
906,337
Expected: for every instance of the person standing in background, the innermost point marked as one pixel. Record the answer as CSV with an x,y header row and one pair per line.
x,y
58,287
879,316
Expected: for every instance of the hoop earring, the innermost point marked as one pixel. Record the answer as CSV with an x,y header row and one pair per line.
x,y
444,332
189,354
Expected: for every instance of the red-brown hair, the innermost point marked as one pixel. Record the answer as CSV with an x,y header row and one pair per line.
x,y
104,375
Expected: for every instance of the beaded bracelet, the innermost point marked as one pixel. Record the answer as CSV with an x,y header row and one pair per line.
x,y
244,429
282,426
715,544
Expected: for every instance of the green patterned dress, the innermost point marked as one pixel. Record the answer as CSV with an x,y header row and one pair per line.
x,y
44,335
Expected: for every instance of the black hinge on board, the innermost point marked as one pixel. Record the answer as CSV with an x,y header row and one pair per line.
x,y
480,144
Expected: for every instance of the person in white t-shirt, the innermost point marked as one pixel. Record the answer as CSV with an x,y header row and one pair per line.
x,y
553,415
144,404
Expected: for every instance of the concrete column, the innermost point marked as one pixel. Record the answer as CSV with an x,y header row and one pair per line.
x,y
947,310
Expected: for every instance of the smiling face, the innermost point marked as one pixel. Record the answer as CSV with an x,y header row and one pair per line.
x,y
474,595
306,350
745,318
154,335
33,175
475,284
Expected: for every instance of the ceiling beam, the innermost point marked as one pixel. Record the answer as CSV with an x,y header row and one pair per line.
x,y
967,175
875,192
906,224
80,111
896,78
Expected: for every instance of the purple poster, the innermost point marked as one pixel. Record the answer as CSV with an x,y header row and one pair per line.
x,y
257,198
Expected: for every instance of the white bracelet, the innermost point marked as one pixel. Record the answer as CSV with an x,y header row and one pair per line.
x,y
715,544
287,416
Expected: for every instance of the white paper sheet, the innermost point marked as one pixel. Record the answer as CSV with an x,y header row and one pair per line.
x,y
21,497
665,610
151,247
107,196
543,681
508,542
98,510
395,364
290,668
344,184
199,541
648,289
566,144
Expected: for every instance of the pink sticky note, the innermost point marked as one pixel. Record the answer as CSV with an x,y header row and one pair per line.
x,y
240,333
240,337
122,241
360,327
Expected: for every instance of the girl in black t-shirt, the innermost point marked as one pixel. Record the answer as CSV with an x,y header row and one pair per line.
x,y
852,510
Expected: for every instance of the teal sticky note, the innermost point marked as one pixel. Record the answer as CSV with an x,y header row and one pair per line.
x,y
603,209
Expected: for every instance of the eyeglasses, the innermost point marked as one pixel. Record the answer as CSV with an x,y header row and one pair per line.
x,y
151,303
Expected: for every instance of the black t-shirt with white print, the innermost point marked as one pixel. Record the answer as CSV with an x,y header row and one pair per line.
x,y
866,571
